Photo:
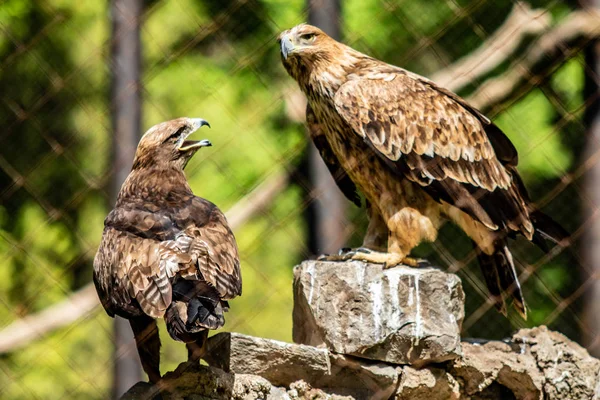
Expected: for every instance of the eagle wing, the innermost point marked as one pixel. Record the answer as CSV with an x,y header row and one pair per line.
x,y
339,174
144,249
433,138
214,248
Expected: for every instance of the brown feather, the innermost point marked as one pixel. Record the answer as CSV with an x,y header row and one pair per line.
x,y
339,175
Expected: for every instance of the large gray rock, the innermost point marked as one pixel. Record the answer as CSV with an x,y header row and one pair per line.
x,y
536,364
279,362
495,366
284,363
196,382
401,315
191,381
568,369
427,384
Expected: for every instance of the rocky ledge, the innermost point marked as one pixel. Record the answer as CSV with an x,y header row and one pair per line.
x,y
534,364
363,332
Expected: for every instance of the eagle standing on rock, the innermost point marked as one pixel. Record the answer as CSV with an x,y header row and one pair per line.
x,y
165,252
419,154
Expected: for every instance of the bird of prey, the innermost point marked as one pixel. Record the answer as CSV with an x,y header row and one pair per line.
x,y
420,154
166,253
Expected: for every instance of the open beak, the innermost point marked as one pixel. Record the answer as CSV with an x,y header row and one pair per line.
x,y
189,145
286,45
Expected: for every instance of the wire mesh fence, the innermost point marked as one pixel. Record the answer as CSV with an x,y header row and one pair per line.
x,y
532,67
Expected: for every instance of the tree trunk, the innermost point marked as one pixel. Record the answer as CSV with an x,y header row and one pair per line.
x,y
327,217
590,244
126,110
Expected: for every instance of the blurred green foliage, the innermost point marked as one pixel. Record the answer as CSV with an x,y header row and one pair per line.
x,y
219,60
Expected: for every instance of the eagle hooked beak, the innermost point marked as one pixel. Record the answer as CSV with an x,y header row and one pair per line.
x,y
286,45
188,145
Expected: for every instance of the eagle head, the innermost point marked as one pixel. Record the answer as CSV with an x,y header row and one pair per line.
x,y
308,51
303,44
165,144
300,41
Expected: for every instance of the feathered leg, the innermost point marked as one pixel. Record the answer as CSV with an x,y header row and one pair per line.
x,y
147,340
377,231
407,226
405,229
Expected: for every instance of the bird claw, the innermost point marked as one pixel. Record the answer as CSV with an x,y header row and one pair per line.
x,y
388,260
411,262
348,250
344,250
344,254
336,257
423,263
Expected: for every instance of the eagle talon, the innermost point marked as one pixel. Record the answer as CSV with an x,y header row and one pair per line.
x,y
415,262
324,257
347,250
336,257
344,250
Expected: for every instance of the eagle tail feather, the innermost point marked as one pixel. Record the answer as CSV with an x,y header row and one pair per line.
x,y
547,229
492,280
501,278
196,307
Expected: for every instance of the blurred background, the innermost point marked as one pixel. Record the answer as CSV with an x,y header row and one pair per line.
x,y
80,81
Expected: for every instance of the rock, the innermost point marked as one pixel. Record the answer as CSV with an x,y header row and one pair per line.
x,y
569,371
196,382
495,365
359,378
400,315
206,382
535,364
141,390
284,363
250,387
279,362
301,390
427,384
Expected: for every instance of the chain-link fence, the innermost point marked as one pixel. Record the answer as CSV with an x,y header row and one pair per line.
x,y
533,67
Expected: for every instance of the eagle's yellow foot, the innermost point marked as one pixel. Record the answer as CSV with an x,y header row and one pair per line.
x,y
344,254
363,254
389,260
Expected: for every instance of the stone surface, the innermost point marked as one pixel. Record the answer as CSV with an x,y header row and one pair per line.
x,y
400,315
303,391
496,363
427,384
284,363
534,364
568,369
279,362
195,382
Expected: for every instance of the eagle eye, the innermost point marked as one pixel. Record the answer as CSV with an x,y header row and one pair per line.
x,y
307,37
